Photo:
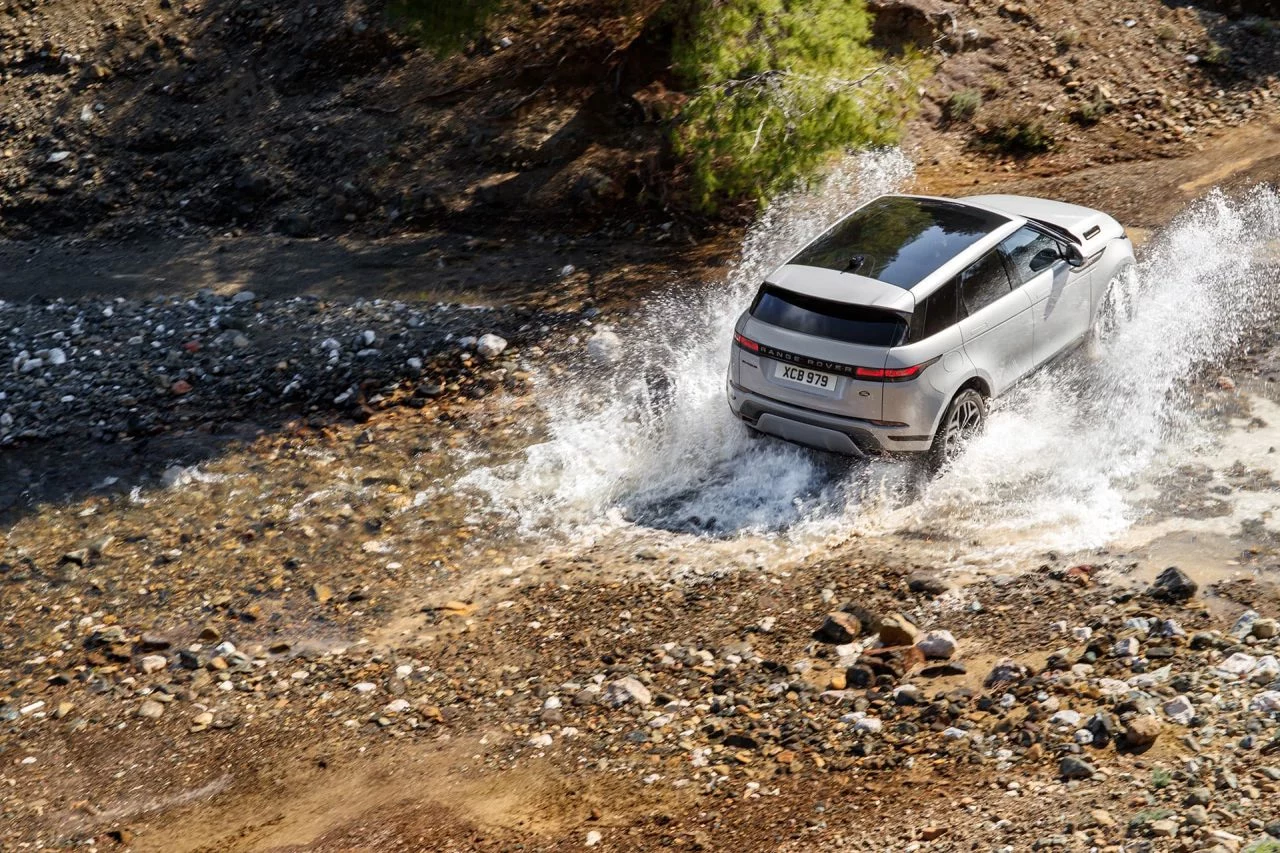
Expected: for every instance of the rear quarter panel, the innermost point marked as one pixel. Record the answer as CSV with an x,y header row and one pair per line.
x,y
922,401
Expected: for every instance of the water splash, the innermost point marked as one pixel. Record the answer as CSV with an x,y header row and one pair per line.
x,y
649,443
651,440
1062,456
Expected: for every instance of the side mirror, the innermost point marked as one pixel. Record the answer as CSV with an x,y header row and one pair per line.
x,y
1045,258
1074,256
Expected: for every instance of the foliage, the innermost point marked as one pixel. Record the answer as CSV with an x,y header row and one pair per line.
x,y
1216,54
1021,132
444,26
778,88
1266,846
1091,111
1142,818
962,105
1264,27
1160,778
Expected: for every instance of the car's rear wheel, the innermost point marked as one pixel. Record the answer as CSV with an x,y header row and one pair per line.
x,y
964,419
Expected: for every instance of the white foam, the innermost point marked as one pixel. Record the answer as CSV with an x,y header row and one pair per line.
x,y
648,443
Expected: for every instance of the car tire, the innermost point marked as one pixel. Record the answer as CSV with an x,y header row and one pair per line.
x,y
964,419
1116,307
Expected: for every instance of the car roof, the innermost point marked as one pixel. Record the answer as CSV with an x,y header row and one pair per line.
x,y
895,250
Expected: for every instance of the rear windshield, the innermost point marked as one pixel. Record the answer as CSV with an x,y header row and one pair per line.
x,y
853,324
899,240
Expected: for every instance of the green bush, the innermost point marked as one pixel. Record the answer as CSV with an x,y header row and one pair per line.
x,y
962,105
1091,112
1021,132
444,26
778,88
1216,54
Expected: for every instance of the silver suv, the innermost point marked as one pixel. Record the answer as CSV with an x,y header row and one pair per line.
x,y
891,331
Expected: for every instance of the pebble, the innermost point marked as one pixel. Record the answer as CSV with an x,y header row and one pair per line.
x,y
1173,584
153,663
1141,731
839,628
624,691
897,630
937,645
151,709
1072,767
1243,625
491,346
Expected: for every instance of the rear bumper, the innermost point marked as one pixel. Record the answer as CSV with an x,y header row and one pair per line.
x,y
850,436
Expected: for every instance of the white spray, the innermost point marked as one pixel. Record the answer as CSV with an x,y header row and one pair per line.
x,y
649,442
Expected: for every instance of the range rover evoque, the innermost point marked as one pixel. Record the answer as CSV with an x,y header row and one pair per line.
x,y
892,330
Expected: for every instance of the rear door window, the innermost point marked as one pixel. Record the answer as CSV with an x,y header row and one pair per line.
x,y
939,311
1022,249
983,282
854,324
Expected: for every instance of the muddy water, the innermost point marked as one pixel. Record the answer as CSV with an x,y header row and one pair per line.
x,y
1092,452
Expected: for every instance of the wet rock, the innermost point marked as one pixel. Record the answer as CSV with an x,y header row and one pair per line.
x,y
897,630
491,346
927,583
839,628
1173,584
626,691
604,348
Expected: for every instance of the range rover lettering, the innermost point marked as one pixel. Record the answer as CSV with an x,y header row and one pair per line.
x,y
891,331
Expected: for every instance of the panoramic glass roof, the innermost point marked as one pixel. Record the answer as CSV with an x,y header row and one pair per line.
x,y
899,240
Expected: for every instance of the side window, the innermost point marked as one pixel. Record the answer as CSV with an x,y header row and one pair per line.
x,y
983,282
939,311
1029,252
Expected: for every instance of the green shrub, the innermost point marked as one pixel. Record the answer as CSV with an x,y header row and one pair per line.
x,y
1264,27
1091,112
1021,132
444,26
1215,54
962,105
1160,778
1265,846
778,88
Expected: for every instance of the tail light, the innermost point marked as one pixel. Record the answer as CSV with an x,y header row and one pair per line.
x,y
891,374
745,342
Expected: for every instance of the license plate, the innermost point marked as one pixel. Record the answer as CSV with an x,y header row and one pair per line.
x,y
808,378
